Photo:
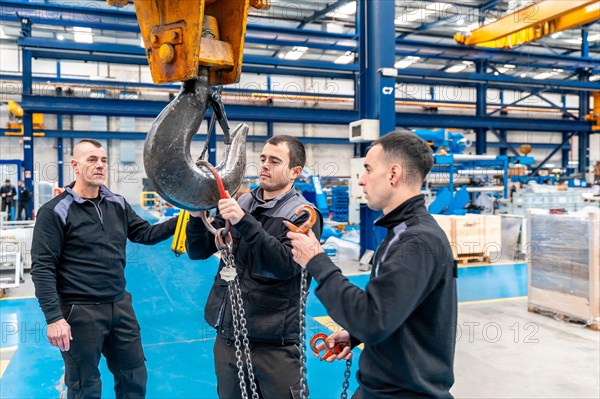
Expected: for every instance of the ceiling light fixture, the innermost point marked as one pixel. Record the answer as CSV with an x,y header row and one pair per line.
x,y
544,75
82,35
345,59
456,68
406,62
296,53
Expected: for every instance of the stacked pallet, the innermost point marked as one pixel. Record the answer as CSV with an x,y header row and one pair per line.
x,y
564,263
473,237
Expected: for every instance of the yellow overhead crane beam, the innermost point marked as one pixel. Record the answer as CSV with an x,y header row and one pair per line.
x,y
533,22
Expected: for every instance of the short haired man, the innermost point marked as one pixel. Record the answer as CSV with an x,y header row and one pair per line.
x,y
78,268
406,315
9,194
24,200
269,278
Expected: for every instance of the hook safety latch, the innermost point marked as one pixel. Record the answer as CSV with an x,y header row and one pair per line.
x,y
308,224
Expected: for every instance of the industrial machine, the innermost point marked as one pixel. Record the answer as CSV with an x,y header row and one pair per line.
x,y
15,117
444,141
312,189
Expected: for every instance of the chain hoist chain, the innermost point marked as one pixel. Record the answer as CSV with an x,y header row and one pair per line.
x,y
302,344
238,351
245,340
346,382
239,327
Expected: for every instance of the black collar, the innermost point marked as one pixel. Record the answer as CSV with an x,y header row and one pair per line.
x,y
406,210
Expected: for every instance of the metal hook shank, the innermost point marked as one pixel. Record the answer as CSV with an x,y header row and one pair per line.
x,y
167,159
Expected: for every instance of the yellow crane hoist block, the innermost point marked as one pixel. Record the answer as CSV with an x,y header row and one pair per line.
x,y
15,120
178,244
594,115
182,35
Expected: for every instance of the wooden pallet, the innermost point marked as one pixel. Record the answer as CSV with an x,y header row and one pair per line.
x,y
562,317
480,257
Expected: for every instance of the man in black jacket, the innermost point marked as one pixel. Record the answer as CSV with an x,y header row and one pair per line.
x,y
24,199
78,262
268,276
406,316
8,193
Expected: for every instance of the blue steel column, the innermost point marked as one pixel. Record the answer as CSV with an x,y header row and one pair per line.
x,y
503,149
27,115
212,145
59,141
503,133
480,109
375,25
565,152
584,108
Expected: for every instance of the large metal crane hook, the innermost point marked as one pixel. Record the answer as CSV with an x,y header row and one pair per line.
x,y
169,165
200,43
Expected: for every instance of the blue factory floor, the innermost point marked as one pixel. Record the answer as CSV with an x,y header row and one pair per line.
x,y
169,295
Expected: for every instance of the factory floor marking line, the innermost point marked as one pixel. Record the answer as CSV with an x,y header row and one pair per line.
x,y
5,356
480,264
512,299
17,297
332,325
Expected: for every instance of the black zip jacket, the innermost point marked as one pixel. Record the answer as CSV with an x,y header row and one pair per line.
x,y
406,316
10,192
268,276
78,249
24,195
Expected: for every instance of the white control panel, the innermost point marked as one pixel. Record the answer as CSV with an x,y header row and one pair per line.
x,y
364,130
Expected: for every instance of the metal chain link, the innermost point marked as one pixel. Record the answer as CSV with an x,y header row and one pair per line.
x,y
245,340
346,382
302,344
238,352
239,328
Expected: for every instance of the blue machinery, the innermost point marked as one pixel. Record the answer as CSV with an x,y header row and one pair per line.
x,y
375,98
313,192
444,139
447,167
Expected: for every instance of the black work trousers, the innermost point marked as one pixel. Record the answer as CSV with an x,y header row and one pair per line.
x,y
110,329
276,370
22,209
7,207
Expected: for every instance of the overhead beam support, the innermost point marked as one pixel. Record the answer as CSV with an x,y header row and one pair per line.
x,y
532,23
322,13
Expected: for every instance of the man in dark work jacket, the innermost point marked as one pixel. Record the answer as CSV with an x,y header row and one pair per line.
x,y
269,278
78,268
406,316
